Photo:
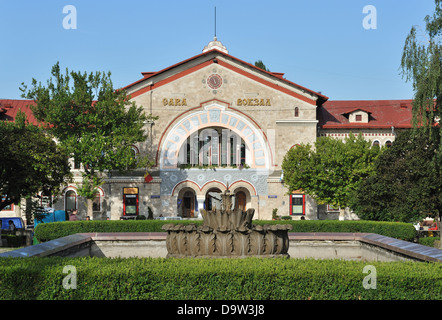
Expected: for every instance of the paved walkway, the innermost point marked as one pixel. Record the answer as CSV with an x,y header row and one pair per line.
x,y
6,249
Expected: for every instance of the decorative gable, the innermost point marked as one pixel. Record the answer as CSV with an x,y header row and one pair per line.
x,y
213,57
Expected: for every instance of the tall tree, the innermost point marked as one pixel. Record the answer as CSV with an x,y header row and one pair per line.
x,y
422,65
406,185
331,170
96,124
30,162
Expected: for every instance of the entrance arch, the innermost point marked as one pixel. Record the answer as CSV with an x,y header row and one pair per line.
x,y
215,114
240,200
186,203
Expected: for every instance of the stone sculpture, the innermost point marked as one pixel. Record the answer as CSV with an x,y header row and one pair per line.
x,y
227,233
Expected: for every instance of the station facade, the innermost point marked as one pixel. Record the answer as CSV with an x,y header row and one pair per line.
x,y
224,123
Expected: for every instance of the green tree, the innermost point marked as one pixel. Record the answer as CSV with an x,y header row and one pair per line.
x,y
422,65
406,185
94,123
261,65
30,161
331,170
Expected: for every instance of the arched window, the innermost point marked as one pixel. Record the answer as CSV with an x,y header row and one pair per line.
x,y
134,154
96,204
296,112
70,201
376,143
388,144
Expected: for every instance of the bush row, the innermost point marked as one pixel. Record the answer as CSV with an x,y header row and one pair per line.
x,y
429,241
50,231
13,240
54,230
214,279
399,230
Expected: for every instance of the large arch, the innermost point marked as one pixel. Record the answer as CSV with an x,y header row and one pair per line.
x,y
215,114
184,185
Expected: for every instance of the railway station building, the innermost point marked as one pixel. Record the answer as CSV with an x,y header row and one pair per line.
x,y
223,123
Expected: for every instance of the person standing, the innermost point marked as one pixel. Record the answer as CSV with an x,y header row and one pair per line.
x,y
73,216
12,227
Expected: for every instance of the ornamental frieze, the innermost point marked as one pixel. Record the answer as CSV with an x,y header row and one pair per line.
x,y
253,102
246,102
174,102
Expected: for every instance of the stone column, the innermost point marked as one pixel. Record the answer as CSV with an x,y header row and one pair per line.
x,y
200,199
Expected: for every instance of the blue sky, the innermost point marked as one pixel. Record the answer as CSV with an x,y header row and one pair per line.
x,y
319,44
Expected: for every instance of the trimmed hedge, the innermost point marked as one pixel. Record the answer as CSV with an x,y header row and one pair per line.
x,y
14,241
54,230
50,231
398,230
428,241
217,279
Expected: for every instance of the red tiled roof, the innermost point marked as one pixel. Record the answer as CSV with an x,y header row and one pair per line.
x,y
331,115
356,109
382,114
9,109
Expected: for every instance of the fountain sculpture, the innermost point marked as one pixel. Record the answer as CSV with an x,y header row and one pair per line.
x,y
227,233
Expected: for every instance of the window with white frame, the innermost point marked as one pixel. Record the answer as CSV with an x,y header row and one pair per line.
x,y
70,200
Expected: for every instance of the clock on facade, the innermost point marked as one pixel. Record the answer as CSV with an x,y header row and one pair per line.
x,y
214,81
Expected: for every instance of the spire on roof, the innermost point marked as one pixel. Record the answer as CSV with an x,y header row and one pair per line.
x,y
215,44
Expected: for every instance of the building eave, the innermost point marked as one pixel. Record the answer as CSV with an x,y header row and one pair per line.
x,y
150,77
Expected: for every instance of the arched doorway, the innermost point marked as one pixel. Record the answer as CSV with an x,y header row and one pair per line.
x,y
240,200
188,204
213,199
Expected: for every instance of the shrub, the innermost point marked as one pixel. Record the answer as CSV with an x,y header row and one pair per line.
x,y
14,241
428,241
275,214
238,279
399,230
50,231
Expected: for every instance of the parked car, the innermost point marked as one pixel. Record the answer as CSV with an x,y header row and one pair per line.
x,y
18,222
18,237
